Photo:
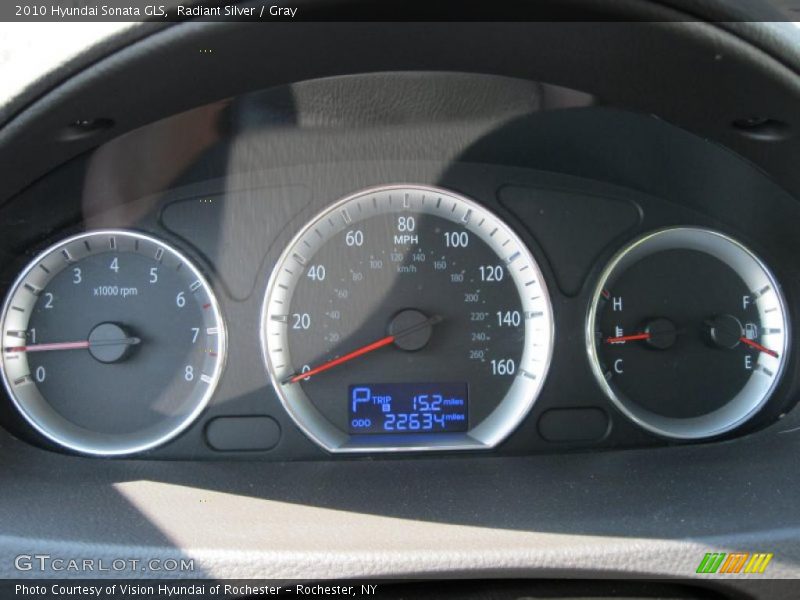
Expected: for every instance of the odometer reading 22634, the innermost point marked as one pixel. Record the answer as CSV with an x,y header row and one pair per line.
x,y
407,318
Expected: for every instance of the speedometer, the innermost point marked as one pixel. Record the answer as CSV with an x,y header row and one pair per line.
x,y
407,317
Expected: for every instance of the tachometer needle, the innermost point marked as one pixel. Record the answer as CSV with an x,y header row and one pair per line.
x,y
758,346
385,341
83,344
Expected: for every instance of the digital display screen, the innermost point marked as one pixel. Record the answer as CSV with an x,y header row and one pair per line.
x,y
407,407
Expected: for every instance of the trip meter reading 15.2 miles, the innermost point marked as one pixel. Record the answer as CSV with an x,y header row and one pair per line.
x,y
407,318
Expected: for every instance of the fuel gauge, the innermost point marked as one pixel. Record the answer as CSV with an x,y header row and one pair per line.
x,y
687,333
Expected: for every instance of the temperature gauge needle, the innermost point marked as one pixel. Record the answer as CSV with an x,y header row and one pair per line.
x,y
385,341
627,338
659,333
758,347
83,344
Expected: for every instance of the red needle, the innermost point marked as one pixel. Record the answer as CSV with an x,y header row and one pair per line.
x,y
628,338
758,346
55,346
82,345
343,359
365,349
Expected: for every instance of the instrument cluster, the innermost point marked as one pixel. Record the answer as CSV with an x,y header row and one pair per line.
x,y
318,289
403,317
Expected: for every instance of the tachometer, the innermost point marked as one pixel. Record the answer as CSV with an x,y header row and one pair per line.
x,y
112,343
407,318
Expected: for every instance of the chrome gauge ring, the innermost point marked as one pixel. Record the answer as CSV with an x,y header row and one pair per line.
x,y
113,342
407,317
687,332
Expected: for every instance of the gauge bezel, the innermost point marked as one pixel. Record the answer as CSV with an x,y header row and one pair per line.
x,y
749,401
59,430
510,410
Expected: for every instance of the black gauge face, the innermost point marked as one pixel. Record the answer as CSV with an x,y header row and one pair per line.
x,y
405,317
112,343
688,333
377,288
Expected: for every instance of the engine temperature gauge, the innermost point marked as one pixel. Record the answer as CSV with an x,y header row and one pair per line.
x,y
687,333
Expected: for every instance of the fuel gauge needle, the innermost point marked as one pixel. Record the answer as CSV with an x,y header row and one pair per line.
x,y
758,346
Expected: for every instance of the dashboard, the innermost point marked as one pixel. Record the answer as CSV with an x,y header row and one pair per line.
x,y
394,303
537,300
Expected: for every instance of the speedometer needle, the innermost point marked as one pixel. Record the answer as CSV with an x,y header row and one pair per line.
x,y
384,341
83,344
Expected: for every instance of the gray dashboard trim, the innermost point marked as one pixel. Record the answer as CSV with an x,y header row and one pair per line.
x,y
635,513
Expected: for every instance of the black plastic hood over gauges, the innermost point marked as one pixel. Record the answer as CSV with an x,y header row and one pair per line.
x,y
687,333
